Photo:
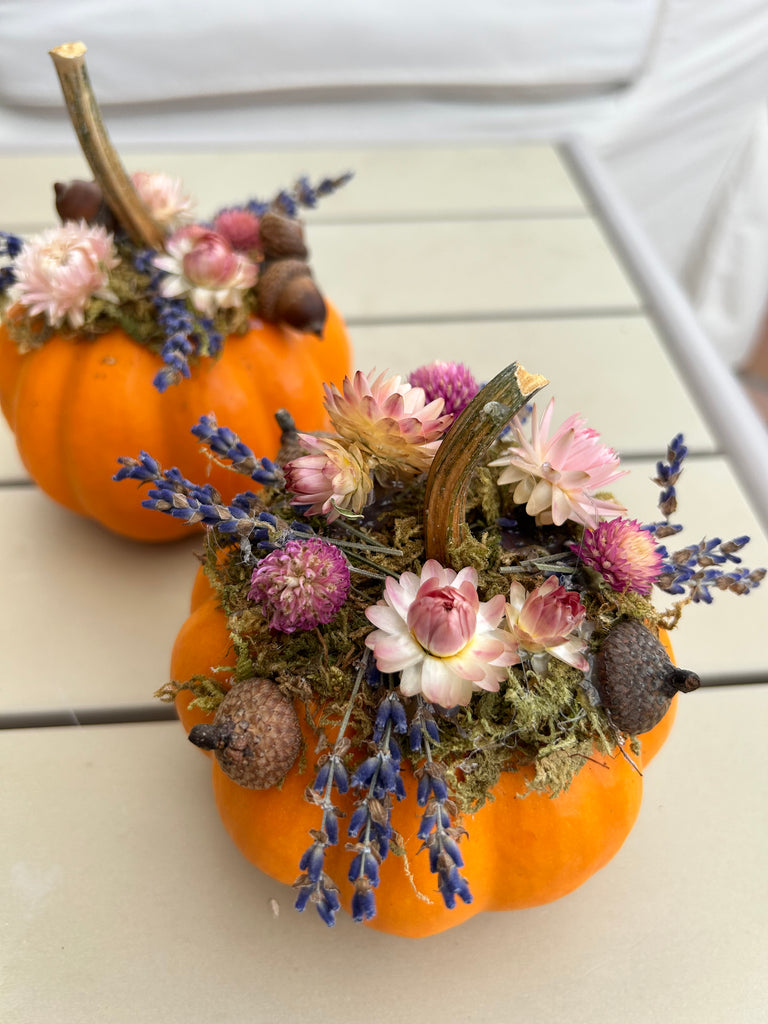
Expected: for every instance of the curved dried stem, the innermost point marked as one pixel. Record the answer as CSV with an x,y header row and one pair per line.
x,y
119,193
462,450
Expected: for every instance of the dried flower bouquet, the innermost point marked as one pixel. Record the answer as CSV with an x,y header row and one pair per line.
x,y
436,618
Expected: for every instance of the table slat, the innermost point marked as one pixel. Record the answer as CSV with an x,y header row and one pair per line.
x,y
126,901
451,269
389,183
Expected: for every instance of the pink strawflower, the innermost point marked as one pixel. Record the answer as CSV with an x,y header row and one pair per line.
x,y
60,270
545,621
203,265
300,585
556,478
624,554
333,478
436,632
164,197
388,419
240,228
453,382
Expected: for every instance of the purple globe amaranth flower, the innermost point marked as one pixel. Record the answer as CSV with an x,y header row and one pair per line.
x,y
300,585
623,553
453,382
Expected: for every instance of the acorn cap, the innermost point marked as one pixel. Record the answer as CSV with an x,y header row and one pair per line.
x,y
287,294
255,735
635,678
281,237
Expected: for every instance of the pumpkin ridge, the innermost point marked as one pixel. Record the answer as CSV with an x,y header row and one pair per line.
x,y
41,399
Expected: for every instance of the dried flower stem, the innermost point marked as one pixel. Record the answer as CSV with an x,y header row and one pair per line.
x,y
462,450
119,193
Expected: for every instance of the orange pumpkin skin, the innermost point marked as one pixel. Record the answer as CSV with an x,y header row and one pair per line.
x,y
75,405
522,851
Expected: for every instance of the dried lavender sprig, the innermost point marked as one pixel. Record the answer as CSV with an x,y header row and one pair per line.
x,y
370,823
314,885
303,193
178,325
439,837
668,473
228,519
273,532
694,570
288,200
225,444
147,469
186,333
10,247
182,499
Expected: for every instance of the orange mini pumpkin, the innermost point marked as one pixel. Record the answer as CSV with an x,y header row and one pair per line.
x,y
226,302
540,824
76,405
524,848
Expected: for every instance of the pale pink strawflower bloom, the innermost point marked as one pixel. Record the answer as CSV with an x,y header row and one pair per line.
x,y
390,420
203,265
556,477
623,553
241,228
545,622
453,382
60,270
164,197
439,635
333,478
301,585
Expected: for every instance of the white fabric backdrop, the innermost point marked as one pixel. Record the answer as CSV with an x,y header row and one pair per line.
x,y
672,93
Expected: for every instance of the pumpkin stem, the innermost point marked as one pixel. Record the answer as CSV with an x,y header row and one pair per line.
x,y
461,451
111,176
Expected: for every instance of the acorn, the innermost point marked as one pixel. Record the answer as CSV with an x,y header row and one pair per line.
x,y
83,200
287,294
255,735
635,678
281,237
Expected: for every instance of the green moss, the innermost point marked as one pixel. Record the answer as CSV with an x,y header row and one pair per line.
x,y
207,693
544,723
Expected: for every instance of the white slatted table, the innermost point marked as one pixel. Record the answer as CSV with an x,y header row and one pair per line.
x,y
482,255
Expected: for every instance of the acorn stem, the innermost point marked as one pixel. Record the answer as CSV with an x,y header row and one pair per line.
x,y
680,680
119,193
210,736
469,439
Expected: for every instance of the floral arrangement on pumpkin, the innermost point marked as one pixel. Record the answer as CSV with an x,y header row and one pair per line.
x,y
129,254
204,281
444,580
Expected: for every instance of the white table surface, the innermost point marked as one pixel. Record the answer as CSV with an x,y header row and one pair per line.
x,y
125,900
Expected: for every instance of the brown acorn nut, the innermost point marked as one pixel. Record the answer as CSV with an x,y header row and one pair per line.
x,y
255,735
83,200
281,237
635,678
287,294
